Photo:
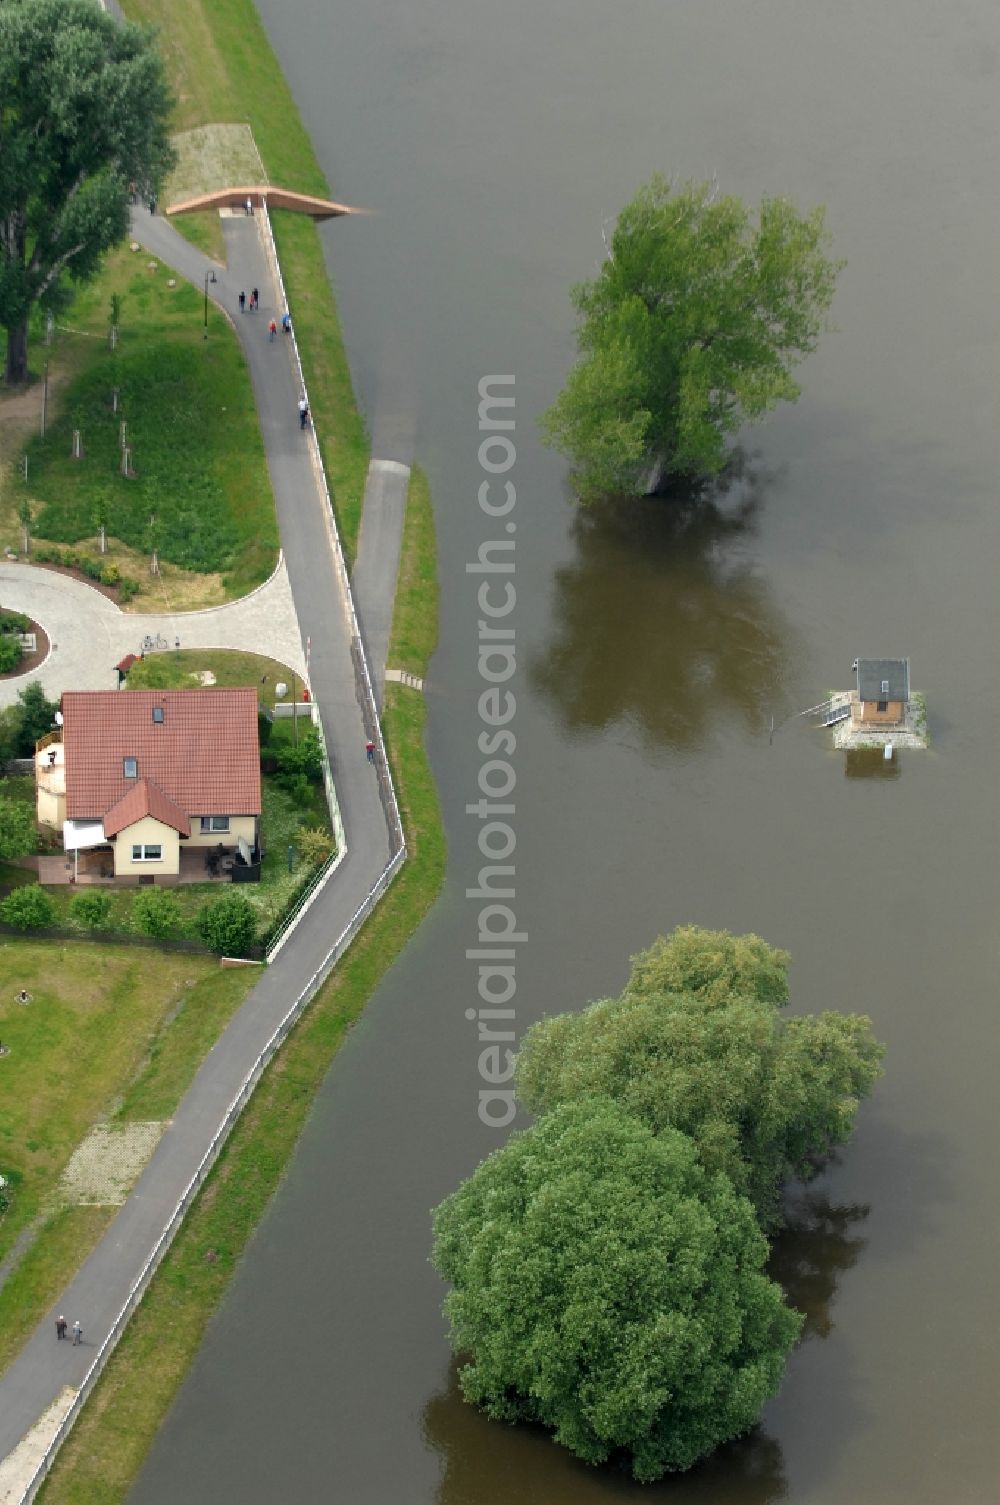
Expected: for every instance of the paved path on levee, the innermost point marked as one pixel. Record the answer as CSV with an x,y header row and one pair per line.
x,y
37,1376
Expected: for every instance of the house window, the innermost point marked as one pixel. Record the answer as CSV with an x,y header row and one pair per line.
x,y
214,823
145,852
883,705
157,713
130,767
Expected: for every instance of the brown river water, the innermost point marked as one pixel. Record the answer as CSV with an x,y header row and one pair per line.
x,y
653,649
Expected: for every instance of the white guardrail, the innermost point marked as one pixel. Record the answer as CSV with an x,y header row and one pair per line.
x,y
209,1158
264,224
323,971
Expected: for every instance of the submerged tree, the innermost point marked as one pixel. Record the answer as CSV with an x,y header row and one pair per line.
x,y
607,1287
696,1042
692,327
83,113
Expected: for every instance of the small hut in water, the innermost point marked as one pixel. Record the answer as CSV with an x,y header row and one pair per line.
x,y
881,709
883,692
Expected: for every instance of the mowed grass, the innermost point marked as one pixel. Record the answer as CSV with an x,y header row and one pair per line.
x,y
104,1453
222,69
192,425
96,1014
184,669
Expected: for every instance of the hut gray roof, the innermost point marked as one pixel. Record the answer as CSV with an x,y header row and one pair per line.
x,y
883,678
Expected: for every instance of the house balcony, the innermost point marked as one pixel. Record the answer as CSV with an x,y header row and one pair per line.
x,y
50,766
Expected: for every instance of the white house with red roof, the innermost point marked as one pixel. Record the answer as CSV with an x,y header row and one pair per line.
x,y
140,780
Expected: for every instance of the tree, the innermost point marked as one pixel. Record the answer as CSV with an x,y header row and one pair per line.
x,y
18,834
10,732
691,328
91,907
10,652
229,925
37,717
28,908
85,107
696,1043
314,844
606,1287
156,912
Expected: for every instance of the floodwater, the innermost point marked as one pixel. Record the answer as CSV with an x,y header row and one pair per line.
x,y
654,648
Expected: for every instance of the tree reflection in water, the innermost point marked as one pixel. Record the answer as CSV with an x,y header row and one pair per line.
x,y
488,1463
662,619
818,1245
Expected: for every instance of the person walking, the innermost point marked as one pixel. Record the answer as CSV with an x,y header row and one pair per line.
x,y
272,330
248,207
77,1333
286,323
303,412
256,298
243,301
370,751
60,1328
152,203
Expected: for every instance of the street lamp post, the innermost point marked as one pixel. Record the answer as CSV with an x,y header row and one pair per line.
x,y
209,277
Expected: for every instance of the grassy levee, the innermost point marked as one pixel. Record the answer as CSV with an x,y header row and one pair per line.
x,y
101,1459
222,69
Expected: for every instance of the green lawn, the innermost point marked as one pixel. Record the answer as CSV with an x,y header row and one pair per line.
x,y
186,668
191,420
99,1020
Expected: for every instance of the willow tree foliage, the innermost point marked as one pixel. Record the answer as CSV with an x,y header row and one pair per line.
x,y
607,1287
692,327
696,1043
83,114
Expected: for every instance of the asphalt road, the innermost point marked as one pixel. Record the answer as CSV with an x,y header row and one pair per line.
x,y
44,1367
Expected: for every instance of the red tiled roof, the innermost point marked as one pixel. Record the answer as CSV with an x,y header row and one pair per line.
x,y
145,798
204,755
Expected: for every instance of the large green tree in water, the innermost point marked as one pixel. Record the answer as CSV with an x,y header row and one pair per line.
x,y
83,113
692,328
697,1042
608,1288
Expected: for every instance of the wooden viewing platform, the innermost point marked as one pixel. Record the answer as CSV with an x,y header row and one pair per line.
x,y
258,194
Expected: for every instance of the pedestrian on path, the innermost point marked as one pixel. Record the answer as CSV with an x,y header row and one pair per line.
x,y
152,203
60,1328
256,298
286,323
272,330
370,751
243,301
303,412
77,1333
249,205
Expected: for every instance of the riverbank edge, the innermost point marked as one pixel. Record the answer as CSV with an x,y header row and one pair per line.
x,y
101,1458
